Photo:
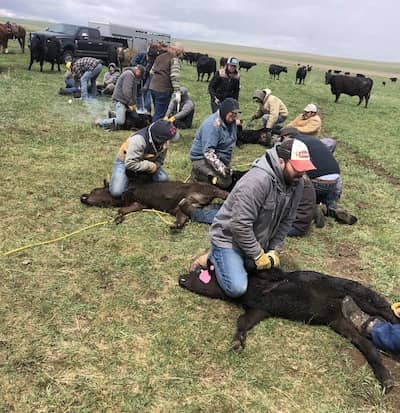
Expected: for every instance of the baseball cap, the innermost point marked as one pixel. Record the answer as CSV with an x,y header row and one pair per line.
x,y
232,61
296,152
310,108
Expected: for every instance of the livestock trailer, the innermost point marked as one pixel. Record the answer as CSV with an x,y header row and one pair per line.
x,y
138,39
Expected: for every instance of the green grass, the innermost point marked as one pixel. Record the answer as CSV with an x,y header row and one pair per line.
x,y
97,322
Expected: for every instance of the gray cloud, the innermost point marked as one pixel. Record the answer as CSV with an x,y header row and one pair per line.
x,y
358,29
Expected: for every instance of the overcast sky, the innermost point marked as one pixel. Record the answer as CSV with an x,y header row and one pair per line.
x,y
363,29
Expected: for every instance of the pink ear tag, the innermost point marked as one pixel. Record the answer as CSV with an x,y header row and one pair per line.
x,y
204,276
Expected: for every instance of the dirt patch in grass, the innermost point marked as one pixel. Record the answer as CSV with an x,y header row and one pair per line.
x,y
372,165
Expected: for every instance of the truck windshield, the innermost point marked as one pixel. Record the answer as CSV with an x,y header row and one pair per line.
x,y
62,28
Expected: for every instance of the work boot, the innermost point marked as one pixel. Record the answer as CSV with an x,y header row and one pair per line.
x,y
319,215
343,217
200,262
363,322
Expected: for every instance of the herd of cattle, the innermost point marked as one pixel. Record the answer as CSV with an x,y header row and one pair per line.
x,y
50,50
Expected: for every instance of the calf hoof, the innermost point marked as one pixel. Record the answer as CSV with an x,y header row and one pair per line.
x,y
175,229
387,385
237,346
119,219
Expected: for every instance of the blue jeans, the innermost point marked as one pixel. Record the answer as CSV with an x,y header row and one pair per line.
x,y
328,194
90,75
161,102
143,101
386,336
119,181
205,215
120,116
229,269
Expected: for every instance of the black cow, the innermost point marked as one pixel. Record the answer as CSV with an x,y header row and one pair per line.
x,y
337,71
301,74
205,65
246,65
176,198
275,70
393,79
309,68
45,49
350,85
384,83
346,73
360,75
306,296
191,57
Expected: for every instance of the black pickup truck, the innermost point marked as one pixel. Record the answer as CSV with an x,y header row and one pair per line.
x,y
80,41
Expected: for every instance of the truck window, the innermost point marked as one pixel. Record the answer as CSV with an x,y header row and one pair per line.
x,y
94,34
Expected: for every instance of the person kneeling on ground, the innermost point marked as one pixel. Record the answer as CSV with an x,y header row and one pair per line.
x,y
326,178
270,108
212,148
257,215
384,335
110,79
143,153
308,122
181,114
124,97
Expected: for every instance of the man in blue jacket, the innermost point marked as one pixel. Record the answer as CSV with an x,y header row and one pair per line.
x,y
212,148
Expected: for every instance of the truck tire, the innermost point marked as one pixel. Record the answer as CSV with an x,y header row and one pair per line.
x,y
68,55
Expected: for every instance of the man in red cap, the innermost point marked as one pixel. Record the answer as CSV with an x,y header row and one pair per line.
x,y
257,215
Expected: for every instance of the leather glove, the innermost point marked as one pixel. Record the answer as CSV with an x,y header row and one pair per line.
x,y
132,108
153,168
165,118
267,260
177,97
171,119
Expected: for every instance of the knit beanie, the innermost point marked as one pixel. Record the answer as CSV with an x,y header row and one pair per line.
x,y
161,131
228,105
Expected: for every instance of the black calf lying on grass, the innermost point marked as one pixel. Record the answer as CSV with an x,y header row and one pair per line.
x,y
177,198
306,296
261,136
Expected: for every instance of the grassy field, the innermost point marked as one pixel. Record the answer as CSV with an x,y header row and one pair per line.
x,y
97,322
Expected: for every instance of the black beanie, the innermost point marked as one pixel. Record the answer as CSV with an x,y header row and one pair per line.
x,y
161,131
228,105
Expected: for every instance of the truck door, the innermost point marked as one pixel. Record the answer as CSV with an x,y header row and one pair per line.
x,y
82,43
98,44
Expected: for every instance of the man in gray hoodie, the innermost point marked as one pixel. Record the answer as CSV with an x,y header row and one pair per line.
x,y
258,214
124,96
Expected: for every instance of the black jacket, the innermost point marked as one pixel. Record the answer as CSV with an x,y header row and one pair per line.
x,y
224,86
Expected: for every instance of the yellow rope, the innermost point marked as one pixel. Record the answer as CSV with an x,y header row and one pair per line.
x,y
36,244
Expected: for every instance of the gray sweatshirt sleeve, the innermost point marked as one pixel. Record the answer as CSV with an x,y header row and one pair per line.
x,y
185,109
134,155
171,108
246,206
278,240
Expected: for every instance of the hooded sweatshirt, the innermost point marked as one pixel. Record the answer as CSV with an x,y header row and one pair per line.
x,y
126,88
274,107
259,211
186,107
147,146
